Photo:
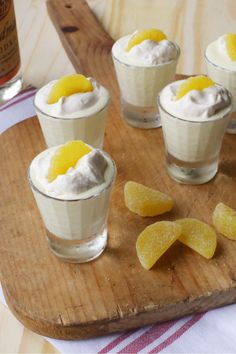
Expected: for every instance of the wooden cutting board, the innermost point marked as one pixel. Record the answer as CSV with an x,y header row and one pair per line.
x,y
112,293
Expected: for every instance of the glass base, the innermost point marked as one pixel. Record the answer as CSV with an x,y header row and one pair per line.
x,y
78,251
10,89
140,117
231,129
191,172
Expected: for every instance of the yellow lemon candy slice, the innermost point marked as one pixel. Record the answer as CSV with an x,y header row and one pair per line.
x,y
199,236
198,83
224,220
146,201
68,85
231,45
153,34
155,240
65,157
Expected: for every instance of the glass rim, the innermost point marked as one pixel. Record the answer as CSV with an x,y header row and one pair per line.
x,y
216,65
228,112
75,118
78,199
148,66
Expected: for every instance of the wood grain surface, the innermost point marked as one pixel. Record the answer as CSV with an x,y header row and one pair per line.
x,y
198,22
114,292
39,44
14,338
191,23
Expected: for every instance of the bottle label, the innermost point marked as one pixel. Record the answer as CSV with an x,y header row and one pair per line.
x,y
9,47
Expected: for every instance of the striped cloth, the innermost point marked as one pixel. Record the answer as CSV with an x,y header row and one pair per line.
x,y
17,109
211,332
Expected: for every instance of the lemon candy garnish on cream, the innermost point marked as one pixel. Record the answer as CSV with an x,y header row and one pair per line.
x,y
69,85
66,157
198,83
231,45
140,36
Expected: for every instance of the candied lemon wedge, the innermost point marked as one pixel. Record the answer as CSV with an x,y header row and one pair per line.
x,y
224,220
155,240
140,36
146,201
198,83
231,45
65,157
68,85
199,236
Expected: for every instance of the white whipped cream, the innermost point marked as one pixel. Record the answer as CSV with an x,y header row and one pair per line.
x,y
146,53
222,46
89,176
74,106
217,53
196,105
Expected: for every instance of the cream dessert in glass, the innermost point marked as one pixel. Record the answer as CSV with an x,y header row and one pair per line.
x,y
72,184
145,62
194,114
220,57
73,107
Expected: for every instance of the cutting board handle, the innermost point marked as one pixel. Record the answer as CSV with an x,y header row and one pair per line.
x,y
84,39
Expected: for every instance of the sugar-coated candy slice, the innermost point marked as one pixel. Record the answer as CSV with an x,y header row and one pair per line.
x,y
153,34
68,85
146,201
224,220
231,45
199,236
155,240
198,83
65,157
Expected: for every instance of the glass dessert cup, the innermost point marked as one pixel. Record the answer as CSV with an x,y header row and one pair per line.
x,y
192,147
139,87
89,128
226,78
76,229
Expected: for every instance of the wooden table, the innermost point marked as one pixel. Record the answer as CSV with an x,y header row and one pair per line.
x,y
192,24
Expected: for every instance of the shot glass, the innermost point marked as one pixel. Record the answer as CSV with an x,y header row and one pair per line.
x,y
193,147
226,78
139,87
89,128
76,229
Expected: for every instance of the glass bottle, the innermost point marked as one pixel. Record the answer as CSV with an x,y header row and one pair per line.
x,y
10,81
